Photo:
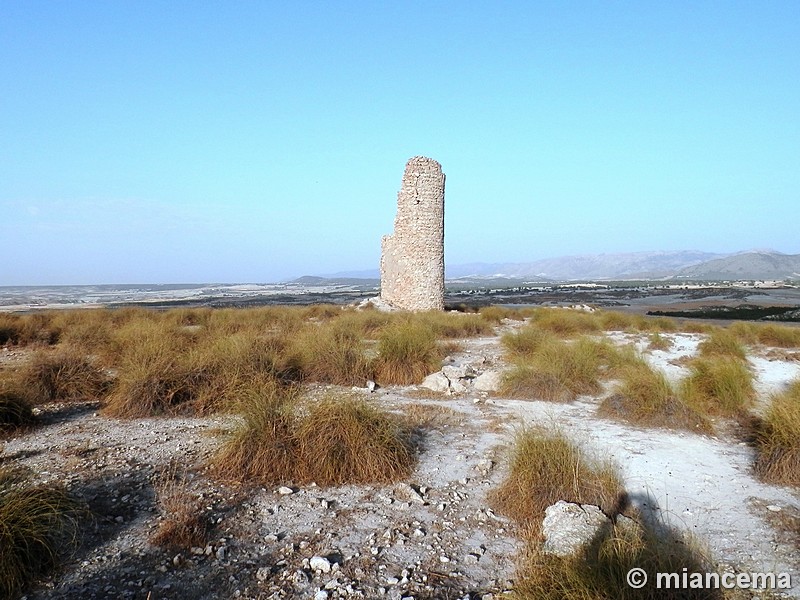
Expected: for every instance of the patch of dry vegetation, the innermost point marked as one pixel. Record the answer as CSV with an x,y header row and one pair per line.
x,y
336,440
722,342
718,385
599,571
545,467
645,397
547,368
566,322
407,352
39,524
16,411
183,523
777,439
656,341
65,374
777,336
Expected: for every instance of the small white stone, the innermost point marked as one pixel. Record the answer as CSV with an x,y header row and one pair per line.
x,y
320,563
285,491
774,508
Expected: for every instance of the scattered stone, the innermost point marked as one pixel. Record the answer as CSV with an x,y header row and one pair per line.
x,y
436,382
567,527
285,491
403,491
320,563
263,573
774,508
488,381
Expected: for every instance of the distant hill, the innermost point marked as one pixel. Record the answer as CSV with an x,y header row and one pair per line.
x,y
689,264
631,265
746,265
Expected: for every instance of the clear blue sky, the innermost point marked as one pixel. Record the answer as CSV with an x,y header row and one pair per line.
x,y
255,141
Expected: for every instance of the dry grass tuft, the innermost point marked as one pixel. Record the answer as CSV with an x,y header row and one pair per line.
x,y
722,342
407,352
265,447
337,440
718,385
557,371
546,467
15,408
526,342
65,374
599,571
38,524
495,314
184,524
656,341
777,439
565,322
34,329
343,439
645,397
332,352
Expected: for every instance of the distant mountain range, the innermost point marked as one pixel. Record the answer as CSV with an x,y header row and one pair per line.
x,y
693,265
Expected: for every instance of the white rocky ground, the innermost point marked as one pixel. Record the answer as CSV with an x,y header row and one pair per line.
x,y
433,536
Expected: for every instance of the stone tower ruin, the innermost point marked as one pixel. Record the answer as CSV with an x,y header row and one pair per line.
x,y
412,258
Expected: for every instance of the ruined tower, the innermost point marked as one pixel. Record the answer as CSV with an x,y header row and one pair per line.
x,y
412,258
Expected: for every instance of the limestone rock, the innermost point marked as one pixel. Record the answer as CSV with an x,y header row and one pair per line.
x,y
567,527
488,381
436,382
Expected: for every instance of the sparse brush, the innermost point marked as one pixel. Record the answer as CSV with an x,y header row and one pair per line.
x,y
183,523
718,385
779,336
545,467
407,352
645,397
616,321
331,352
777,439
15,408
566,322
343,439
527,341
265,447
30,329
599,571
452,324
38,524
495,314
155,379
722,342
558,371
656,341
66,374
337,440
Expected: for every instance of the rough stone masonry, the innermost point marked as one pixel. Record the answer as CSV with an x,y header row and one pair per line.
x,y
412,258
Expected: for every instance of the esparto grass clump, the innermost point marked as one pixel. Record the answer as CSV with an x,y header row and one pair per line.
x,y
643,396
332,441
777,439
39,524
545,467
